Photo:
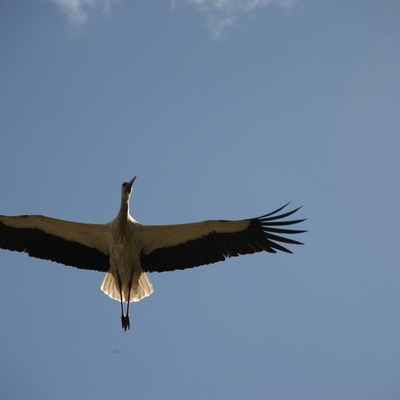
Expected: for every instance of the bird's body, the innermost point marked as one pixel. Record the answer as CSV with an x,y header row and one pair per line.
x,y
127,249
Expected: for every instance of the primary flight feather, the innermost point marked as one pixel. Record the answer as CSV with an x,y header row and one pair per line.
x,y
127,249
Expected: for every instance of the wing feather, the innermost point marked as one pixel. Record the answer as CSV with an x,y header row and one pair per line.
x,y
71,243
171,247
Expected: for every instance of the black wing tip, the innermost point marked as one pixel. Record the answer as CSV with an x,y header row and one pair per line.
x,y
272,215
271,218
275,227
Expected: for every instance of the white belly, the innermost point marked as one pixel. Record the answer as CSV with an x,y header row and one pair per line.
x,y
126,280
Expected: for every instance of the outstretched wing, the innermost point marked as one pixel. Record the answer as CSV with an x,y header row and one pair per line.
x,y
71,243
171,247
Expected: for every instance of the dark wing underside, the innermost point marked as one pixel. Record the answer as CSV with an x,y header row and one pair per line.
x,y
40,244
258,234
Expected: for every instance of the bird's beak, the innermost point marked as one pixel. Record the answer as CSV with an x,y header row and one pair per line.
x,y
130,183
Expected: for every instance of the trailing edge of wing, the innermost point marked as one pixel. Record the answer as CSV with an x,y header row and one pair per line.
x,y
252,235
40,244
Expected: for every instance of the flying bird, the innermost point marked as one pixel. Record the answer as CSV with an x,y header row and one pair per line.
x,y
126,249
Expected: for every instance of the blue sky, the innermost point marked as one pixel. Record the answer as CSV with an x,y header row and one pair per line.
x,y
226,110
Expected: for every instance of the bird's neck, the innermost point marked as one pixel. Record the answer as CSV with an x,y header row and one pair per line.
x,y
123,214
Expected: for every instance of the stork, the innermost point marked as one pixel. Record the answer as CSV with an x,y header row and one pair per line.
x,y
126,249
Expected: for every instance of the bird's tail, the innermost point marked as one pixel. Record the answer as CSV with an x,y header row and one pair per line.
x,y
141,288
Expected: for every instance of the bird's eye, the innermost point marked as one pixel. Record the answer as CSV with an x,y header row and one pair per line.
x,y
124,184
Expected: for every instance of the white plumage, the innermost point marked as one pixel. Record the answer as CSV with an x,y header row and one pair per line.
x,y
127,249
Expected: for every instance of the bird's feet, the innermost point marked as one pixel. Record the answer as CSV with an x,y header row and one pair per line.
x,y
125,322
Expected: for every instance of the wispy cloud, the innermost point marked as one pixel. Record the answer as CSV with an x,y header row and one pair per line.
x,y
77,11
242,5
219,13
223,13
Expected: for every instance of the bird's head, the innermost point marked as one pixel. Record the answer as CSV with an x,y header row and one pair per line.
x,y
127,188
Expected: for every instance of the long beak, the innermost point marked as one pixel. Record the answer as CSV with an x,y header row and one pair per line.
x,y
130,183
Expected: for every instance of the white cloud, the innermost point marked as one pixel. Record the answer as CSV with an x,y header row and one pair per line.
x,y
77,10
216,24
219,13
244,5
223,13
